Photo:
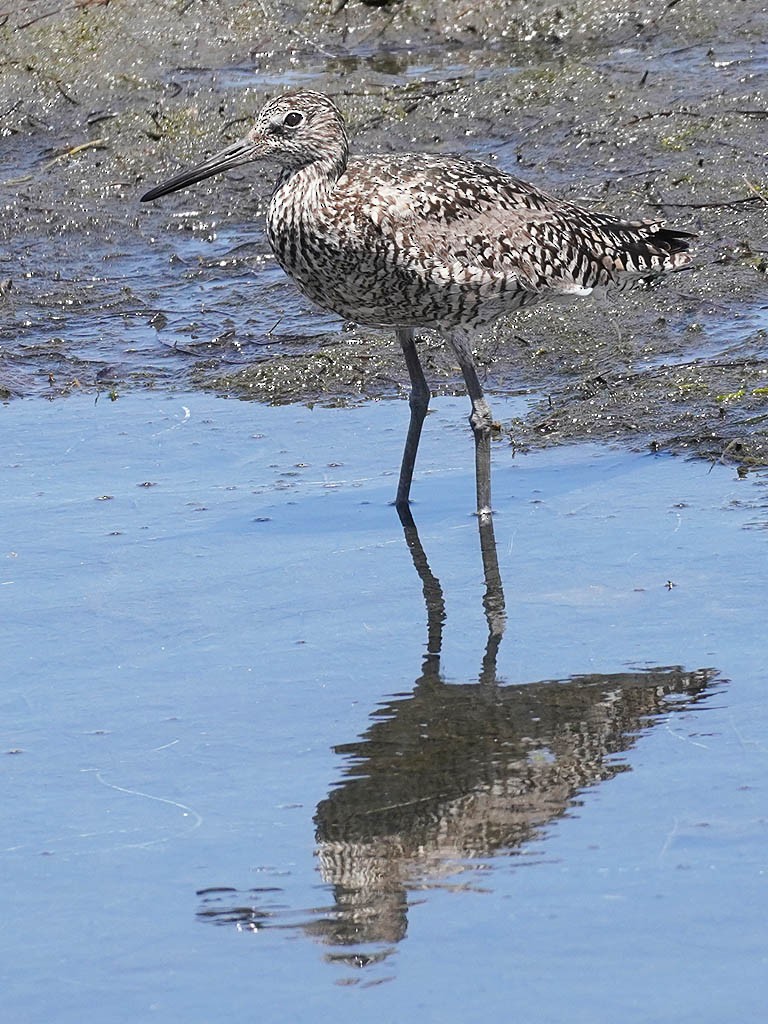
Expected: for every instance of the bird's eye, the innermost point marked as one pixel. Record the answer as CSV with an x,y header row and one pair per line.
x,y
293,119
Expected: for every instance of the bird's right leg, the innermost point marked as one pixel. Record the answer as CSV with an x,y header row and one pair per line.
x,y
480,419
418,402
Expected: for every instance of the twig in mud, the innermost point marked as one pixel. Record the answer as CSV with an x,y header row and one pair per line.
x,y
93,144
34,21
758,194
649,171
65,94
10,110
714,204
653,114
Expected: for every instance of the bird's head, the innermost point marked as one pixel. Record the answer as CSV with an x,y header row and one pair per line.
x,y
292,131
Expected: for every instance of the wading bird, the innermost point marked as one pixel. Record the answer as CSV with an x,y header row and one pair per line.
x,y
418,241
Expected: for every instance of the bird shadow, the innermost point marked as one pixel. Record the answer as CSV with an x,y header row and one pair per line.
x,y
450,775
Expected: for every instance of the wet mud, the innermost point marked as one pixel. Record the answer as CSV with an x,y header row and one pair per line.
x,y
654,109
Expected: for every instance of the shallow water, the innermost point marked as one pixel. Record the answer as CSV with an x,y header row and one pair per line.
x,y
240,780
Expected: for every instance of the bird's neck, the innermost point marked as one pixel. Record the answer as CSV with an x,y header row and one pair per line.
x,y
318,175
299,204
300,193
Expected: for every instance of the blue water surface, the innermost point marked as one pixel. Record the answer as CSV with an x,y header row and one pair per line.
x,y
236,786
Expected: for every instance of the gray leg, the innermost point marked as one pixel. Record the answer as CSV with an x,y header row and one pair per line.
x,y
419,401
480,420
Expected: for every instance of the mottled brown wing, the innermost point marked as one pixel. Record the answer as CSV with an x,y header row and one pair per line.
x,y
440,210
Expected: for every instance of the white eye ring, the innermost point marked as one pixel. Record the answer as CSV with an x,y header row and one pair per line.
x,y
293,119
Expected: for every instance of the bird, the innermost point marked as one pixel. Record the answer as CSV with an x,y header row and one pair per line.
x,y
427,241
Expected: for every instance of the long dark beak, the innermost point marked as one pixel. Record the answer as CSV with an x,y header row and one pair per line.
x,y
233,156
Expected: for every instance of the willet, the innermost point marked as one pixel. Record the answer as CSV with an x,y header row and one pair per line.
x,y
421,241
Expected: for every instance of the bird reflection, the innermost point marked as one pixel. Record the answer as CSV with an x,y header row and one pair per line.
x,y
450,774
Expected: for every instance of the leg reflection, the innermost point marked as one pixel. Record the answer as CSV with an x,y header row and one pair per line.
x,y
493,599
431,588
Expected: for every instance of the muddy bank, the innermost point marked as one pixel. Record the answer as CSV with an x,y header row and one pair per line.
x,y
651,109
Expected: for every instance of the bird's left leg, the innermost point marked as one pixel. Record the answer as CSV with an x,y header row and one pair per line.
x,y
480,419
419,401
